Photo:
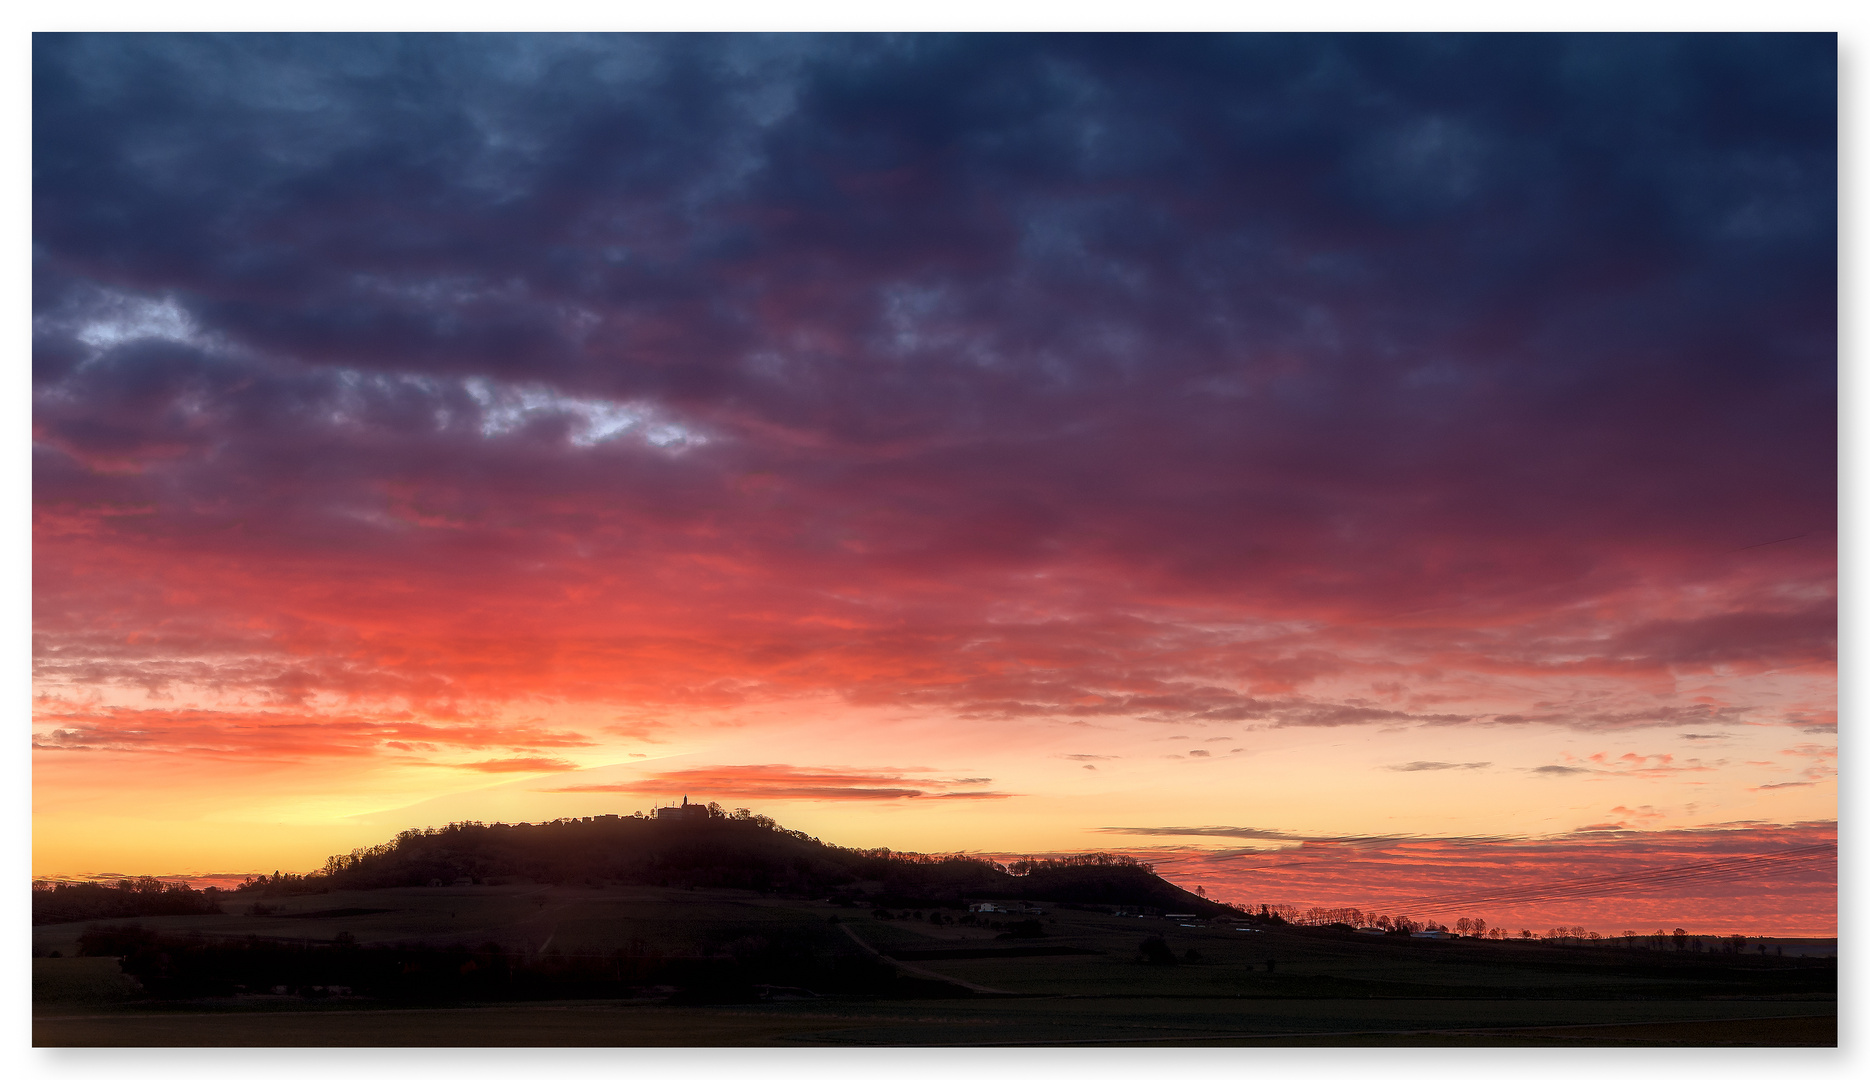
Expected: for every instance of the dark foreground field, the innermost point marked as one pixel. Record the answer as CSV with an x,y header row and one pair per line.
x,y
916,983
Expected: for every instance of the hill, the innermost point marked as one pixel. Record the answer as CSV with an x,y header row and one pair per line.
x,y
708,847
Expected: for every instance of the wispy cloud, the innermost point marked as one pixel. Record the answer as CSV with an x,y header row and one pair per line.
x,y
1605,873
792,782
1235,832
526,764
1646,766
280,735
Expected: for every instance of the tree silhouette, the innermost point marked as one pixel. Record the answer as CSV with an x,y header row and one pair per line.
x,y
1154,950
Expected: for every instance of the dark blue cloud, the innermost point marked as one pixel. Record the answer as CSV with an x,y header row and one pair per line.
x,y
1379,320
440,202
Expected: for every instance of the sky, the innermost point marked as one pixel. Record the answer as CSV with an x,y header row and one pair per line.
x,y
1344,470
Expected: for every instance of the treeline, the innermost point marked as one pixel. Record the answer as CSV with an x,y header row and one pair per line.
x,y
128,898
1355,918
1350,918
1677,940
281,884
175,966
724,849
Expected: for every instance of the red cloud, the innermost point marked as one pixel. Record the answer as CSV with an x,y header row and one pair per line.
x,y
277,735
697,607
1744,876
789,782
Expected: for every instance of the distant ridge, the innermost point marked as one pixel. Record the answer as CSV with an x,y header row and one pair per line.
x,y
717,849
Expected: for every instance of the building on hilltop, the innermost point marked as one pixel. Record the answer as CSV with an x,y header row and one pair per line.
x,y
687,812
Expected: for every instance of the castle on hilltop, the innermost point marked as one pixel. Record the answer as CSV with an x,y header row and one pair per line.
x,y
687,812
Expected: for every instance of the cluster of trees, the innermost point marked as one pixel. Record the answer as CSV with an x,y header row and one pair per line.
x,y
284,884
1393,924
1154,950
1677,940
1330,916
1322,916
1573,935
128,898
1099,859
1680,940
1737,943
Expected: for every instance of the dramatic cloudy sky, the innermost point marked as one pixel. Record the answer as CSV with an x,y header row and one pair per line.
x,y
1350,468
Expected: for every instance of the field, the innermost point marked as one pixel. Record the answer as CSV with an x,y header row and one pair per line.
x,y
1081,983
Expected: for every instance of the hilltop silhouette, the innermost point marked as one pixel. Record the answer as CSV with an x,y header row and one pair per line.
x,y
711,848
